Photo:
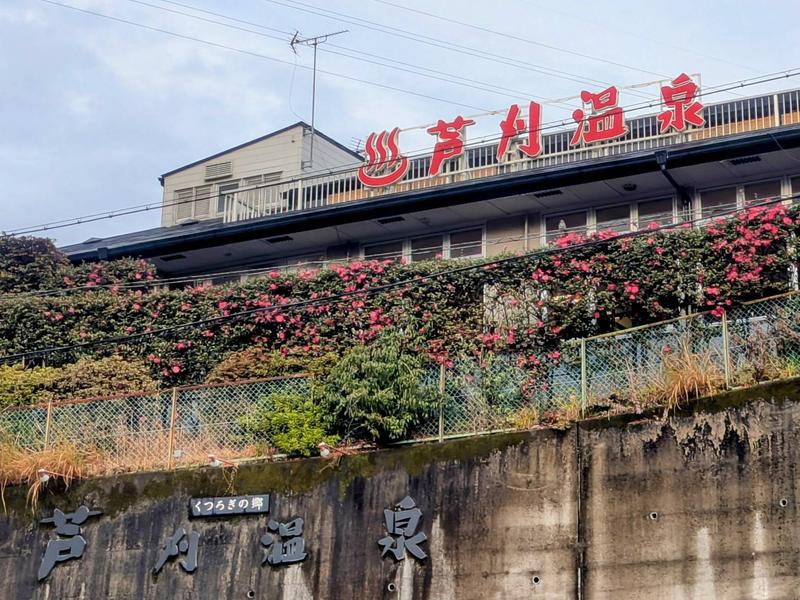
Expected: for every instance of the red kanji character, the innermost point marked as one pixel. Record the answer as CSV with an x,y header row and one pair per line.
x,y
451,141
682,108
513,125
384,165
599,126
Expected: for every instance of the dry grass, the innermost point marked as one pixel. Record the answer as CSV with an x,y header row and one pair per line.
x,y
526,418
64,463
689,375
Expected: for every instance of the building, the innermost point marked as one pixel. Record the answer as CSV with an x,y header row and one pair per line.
x,y
255,206
199,191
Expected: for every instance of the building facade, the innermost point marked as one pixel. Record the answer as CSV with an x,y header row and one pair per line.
x,y
262,210
199,191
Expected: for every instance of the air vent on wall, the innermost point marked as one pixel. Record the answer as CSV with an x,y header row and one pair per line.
x,y
217,170
548,193
279,239
172,257
386,220
744,160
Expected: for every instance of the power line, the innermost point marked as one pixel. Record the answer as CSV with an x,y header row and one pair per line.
x,y
345,168
257,55
511,36
414,281
630,31
357,55
430,41
394,63
199,278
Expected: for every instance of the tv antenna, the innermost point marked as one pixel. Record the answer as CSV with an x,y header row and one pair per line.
x,y
313,42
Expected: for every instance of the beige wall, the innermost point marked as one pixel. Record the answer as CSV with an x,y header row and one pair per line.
x,y
280,153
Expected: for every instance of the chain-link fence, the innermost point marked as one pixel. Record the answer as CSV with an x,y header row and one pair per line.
x,y
636,367
154,431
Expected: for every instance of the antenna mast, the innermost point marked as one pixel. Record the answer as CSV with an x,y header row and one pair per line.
x,y
313,42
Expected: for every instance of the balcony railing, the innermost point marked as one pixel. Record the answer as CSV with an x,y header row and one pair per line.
x,y
308,193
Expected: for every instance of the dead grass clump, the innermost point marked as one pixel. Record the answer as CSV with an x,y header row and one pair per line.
x,y
689,375
34,468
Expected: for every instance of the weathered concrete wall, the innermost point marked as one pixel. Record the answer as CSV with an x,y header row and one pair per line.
x,y
702,506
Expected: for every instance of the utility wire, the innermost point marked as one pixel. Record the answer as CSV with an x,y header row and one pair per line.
x,y
437,43
258,55
412,282
507,35
631,32
359,56
346,168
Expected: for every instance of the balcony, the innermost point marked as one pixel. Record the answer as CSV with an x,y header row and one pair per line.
x,y
723,119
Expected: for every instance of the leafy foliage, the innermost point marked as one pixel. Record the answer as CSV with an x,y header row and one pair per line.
x,y
84,379
376,391
292,423
527,307
259,363
29,264
26,386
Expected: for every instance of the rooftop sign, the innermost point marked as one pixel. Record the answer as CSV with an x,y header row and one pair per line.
x,y
600,120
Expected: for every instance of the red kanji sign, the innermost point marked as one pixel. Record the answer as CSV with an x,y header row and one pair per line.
x,y
450,141
384,165
682,108
606,121
514,125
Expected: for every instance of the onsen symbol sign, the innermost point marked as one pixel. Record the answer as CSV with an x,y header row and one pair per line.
x,y
384,165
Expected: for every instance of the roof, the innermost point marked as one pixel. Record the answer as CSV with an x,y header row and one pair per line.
x,y
205,234
302,124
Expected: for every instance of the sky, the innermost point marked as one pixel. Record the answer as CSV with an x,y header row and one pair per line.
x,y
93,110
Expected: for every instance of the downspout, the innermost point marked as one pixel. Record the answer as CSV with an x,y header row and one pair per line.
x,y
686,200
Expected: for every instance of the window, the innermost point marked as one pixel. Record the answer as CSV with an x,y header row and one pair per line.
x,y
557,226
226,190
183,204
466,243
755,193
655,211
202,201
717,202
381,251
615,218
426,248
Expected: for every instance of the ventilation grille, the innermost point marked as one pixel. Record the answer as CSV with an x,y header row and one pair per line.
x,y
217,170
744,160
548,193
387,220
279,239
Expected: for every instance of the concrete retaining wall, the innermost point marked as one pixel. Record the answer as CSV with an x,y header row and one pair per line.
x,y
701,506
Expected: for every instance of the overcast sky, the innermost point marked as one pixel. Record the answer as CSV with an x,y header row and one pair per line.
x,y
92,110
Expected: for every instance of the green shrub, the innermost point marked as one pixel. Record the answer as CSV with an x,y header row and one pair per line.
x,y
292,423
88,378
376,392
29,263
26,386
260,363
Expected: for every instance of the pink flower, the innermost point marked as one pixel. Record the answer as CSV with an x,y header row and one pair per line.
x,y
176,369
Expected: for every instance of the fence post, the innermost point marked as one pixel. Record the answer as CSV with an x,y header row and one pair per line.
x,y
726,350
172,420
584,377
48,423
441,401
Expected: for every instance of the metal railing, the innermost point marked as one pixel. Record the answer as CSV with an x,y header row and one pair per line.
x,y
630,370
725,118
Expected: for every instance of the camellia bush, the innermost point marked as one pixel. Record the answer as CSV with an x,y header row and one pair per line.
x,y
527,305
